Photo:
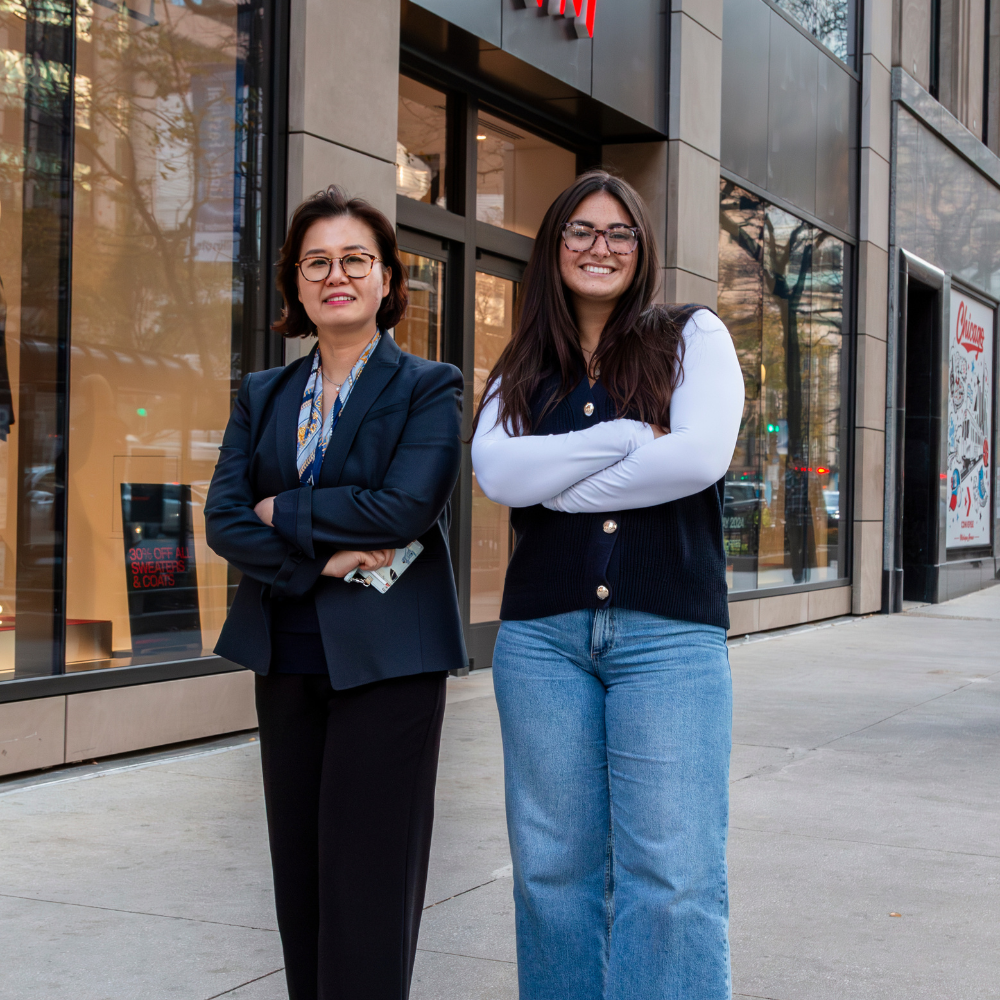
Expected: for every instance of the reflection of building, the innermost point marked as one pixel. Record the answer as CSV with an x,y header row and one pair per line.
x,y
765,137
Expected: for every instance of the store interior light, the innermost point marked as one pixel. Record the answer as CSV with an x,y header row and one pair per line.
x,y
480,137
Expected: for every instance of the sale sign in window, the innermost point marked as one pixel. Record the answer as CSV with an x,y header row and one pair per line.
x,y
970,412
160,574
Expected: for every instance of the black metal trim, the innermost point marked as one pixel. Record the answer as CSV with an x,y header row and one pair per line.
x,y
503,242
76,682
429,219
798,588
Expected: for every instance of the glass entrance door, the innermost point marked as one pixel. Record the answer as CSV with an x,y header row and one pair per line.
x,y
491,535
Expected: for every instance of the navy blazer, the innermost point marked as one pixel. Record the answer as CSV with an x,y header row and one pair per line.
x,y
387,478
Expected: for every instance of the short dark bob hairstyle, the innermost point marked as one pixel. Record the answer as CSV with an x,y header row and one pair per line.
x,y
331,204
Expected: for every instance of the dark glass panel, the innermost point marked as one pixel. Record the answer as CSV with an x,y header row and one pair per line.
x,y
781,292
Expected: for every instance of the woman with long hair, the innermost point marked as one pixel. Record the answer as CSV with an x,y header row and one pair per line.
x,y
330,465
607,426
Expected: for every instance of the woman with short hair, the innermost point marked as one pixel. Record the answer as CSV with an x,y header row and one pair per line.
x,y
607,425
330,465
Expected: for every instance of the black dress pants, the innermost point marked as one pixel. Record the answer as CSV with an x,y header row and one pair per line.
x,y
349,786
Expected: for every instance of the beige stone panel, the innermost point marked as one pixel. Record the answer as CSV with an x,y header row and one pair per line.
x,y
829,603
869,470
779,612
873,291
874,198
118,720
32,734
695,85
912,39
871,383
644,166
708,13
878,30
866,592
744,617
683,286
876,106
692,211
343,79
314,164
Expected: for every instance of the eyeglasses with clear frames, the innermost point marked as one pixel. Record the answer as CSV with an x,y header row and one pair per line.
x,y
619,239
354,265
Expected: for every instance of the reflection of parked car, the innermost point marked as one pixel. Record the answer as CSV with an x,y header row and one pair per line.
x,y
741,498
740,519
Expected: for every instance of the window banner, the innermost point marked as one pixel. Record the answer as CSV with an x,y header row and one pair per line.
x,y
161,579
970,411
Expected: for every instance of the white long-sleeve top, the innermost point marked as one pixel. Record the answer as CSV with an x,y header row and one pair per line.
x,y
617,464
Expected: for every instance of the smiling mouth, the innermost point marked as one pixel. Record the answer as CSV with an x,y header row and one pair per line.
x,y
338,298
598,269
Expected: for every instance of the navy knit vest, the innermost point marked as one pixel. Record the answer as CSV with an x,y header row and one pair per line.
x,y
668,560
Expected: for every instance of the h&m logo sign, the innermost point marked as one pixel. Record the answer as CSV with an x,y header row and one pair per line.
x,y
581,11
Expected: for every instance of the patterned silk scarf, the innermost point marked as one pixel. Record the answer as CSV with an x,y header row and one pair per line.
x,y
314,432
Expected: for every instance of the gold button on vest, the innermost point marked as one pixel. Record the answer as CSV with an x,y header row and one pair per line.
x,y
610,527
602,592
588,409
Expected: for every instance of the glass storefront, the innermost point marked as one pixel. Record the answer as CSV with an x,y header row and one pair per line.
x,y
420,330
518,175
781,293
130,232
421,146
491,531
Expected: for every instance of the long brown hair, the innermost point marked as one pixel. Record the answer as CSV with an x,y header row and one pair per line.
x,y
641,349
330,204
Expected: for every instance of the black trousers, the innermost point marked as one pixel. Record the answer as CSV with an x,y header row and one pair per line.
x,y
349,788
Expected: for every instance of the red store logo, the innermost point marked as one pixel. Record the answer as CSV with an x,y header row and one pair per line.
x,y
582,12
967,334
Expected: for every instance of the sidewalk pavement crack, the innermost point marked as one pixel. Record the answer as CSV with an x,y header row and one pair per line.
x,y
458,954
462,893
225,993
902,711
865,843
136,913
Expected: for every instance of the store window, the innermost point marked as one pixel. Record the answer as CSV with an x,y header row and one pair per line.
x,y
518,175
420,330
164,235
781,293
830,22
491,532
421,143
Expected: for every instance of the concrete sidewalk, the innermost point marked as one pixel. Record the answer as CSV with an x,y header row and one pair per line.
x,y
865,781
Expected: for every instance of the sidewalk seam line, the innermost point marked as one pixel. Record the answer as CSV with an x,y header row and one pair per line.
x,y
902,711
274,972
458,954
865,843
136,913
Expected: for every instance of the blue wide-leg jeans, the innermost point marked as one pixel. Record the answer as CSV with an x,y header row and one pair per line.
x,y
617,727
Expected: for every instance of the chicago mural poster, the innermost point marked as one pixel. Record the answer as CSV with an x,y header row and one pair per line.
x,y
970,412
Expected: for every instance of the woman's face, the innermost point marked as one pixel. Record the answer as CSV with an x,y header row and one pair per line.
x,y
597,274
341,304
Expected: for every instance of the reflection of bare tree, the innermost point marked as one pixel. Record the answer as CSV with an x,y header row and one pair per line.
x,y
778,259
826,20
785,260
150,135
